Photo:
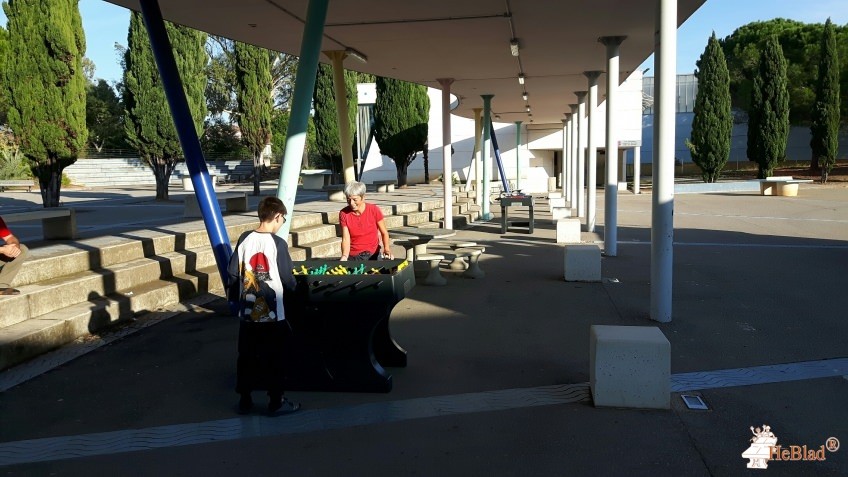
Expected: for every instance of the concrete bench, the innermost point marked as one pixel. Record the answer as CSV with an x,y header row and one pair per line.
x,y
57,223
568,230
315,179
582,263
233,201
629,366
189,186
18,184
781,185
384,186
335,192
473,254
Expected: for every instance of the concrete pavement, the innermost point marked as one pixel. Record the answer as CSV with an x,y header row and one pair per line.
x,y
496,365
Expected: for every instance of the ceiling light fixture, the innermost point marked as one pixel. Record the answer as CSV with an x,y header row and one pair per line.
x,y
524,95
528,108
497,116
513,46
357,54
520,78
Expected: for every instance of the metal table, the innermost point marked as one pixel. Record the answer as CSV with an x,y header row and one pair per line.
x,y
507,202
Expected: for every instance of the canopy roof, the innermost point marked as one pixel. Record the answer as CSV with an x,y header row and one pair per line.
x,y
468,40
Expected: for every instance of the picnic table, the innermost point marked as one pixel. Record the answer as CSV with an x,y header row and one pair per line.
x,y
415,239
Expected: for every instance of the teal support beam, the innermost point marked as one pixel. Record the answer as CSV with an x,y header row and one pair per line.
x,y
304,84
487,146
518,155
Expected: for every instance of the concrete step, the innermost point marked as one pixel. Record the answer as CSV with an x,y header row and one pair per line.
x,y
313,233
415,218
330,247
33,337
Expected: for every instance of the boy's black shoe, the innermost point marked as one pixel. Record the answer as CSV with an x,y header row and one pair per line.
x,y
282,407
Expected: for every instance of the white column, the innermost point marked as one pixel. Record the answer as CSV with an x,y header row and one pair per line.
x,y
572,178
611,184
662,216
566,153
518,155
622,165
592,151
582,126
340,91
637,168
447,167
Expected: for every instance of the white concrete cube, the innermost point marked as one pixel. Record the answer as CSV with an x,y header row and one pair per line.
x,y
567,228
558,213
629,366
560,202
554,195
582,263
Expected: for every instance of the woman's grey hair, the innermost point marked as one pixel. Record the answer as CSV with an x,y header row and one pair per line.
x,y
354,188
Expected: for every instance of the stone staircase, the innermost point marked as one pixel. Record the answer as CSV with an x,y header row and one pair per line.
x,y
76,288
127,172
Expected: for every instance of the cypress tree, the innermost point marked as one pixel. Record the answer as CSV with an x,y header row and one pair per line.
x,y
825,114
149,124
401,113
713,123
253,93
45,87
768,118
326,121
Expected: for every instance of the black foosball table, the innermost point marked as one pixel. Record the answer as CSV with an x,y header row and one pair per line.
x,y
339,315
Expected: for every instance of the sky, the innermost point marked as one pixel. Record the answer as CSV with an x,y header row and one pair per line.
x,y
106,24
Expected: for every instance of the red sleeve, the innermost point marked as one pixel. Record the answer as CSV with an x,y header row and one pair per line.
x,y
4,231
378,213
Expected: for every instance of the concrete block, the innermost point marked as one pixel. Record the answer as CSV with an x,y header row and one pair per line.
x,y
560,202
629,366
582,263
568,229
558,213
554,195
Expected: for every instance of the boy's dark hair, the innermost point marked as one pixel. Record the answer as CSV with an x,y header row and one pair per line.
x,y
269,207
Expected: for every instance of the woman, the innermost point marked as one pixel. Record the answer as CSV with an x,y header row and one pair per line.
x,y
363,227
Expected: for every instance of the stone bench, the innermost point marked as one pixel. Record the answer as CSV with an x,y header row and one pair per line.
x,y
335,192
188,185
233,201
384,186
781,185
315,179
18,184
460,252
582,263
57,223
629,366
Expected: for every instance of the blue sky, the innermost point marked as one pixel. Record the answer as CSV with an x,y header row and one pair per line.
x,y
105,24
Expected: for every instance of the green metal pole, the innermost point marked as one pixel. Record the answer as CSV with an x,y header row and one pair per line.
x,y
304,85
487,145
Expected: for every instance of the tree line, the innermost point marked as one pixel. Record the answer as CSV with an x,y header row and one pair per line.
x,y
53,109
778,73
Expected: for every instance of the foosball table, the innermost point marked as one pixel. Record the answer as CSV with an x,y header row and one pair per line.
x,y
339,315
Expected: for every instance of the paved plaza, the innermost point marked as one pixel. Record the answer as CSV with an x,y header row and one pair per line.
x,y
497,379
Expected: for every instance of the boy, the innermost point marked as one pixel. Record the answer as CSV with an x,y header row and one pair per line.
x,y
260,270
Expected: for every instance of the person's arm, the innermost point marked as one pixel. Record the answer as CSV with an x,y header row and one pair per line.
x,y
12,247
387,243
285,265
345,243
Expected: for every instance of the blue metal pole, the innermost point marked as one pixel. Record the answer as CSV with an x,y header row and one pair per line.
x,y
195,163
504,182
307,68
